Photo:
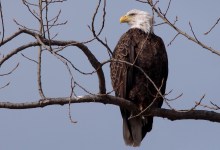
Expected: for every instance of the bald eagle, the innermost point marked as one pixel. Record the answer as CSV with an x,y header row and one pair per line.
x,y
141,47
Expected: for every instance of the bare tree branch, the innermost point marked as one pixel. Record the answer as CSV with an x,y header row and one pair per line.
x,y
29,58
44,40
14,35
2,22
173,39
164,18
108,99
212,27
5,86
39,72
15,51
42,32
10,71
27,4
94,62
168,7
103,23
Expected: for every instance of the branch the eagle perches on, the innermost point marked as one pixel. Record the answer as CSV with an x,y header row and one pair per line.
x,y
108,99
47,43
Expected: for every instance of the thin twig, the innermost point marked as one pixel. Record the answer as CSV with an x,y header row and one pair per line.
x,y
29,58
160,14
175,98
92,28
29,3
75,68
7,84
173,39
47,25
69,113
41,20
84,88
162,23
10,71
73,85
2,22
212,27
193,33
168,7
197,103
217,107
24,27
141,1
29,9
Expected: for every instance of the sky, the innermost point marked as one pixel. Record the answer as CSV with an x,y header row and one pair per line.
x,y
193,71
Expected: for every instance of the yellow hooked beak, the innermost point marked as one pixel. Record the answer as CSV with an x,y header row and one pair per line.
x,y
125,19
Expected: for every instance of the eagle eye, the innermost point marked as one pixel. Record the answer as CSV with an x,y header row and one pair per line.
x,y
132,14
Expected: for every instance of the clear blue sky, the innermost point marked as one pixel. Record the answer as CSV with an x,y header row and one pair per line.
x,y
193,71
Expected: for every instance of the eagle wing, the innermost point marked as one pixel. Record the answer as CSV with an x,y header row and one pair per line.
x,y
122,76
121,71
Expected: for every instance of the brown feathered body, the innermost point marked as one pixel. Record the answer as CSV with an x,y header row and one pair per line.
x,y
147,51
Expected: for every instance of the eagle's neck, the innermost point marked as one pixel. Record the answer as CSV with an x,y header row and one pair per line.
x,y
144,25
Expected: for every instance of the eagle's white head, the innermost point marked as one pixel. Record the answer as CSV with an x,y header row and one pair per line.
x,y
138,19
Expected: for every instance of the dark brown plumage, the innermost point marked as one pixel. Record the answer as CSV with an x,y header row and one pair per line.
x,y
147,51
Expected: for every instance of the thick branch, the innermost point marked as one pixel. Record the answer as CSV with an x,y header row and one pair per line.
x,y
11,37
15,51
108,99
105,99
181,115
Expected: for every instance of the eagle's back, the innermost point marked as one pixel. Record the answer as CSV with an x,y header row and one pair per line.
x,y
148,52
